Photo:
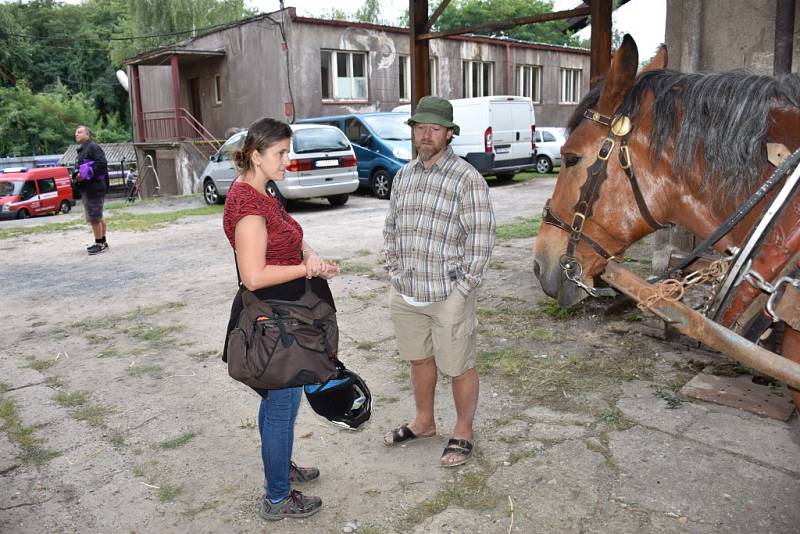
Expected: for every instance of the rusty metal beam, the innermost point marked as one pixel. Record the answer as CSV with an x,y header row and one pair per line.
x,y
503,25
420,51
701,328
601,39
435,16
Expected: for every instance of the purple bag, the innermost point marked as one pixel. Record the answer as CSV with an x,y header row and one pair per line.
x,y
86,170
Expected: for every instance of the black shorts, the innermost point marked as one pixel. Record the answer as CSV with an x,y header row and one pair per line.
x,y
93,205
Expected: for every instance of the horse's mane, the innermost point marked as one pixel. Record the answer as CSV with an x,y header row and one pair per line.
x,y
724,114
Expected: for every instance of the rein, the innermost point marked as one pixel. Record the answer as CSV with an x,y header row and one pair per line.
x,y
620,127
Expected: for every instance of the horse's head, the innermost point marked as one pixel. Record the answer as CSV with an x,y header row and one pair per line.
x,y
589,219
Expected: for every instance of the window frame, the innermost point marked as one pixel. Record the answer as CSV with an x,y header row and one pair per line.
x,y
334,78
217,89
433,75
404,84
534,82
570,86
473,76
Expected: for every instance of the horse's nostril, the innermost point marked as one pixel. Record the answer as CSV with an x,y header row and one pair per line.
x,y
536,268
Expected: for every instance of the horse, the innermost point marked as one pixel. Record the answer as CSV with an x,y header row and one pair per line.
x,y
658,148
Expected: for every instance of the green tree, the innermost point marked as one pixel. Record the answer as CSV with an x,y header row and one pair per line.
x,y
369,12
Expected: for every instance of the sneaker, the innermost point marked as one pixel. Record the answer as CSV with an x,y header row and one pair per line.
x,y
295,505
97,248
298,475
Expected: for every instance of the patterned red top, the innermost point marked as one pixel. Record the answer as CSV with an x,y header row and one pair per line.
x,y
284,234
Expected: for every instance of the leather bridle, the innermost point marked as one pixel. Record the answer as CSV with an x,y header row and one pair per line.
x,y
620,127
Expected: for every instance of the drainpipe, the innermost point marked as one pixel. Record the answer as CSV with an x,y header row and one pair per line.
x,y
176,93
784,37
696,13
137,103
507,73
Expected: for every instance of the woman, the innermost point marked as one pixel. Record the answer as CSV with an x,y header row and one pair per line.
x,y
273,262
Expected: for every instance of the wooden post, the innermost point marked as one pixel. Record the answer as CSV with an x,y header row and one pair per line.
x,y
420,51
601,39
137,103
176,93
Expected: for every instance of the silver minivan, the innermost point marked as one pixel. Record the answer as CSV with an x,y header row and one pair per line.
x,y
322,164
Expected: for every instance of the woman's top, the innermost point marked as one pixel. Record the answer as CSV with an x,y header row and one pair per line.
x,y
284,234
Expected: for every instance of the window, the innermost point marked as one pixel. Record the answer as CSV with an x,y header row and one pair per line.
x,y
232,144
47,185
344,75
309,140
570,85
217,89
28,190
529,78
405,78
353,129
433,69
478,78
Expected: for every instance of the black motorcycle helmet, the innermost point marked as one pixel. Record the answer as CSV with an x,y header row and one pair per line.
x,y
344,400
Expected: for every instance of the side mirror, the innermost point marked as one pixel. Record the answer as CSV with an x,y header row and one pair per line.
x,y
365,140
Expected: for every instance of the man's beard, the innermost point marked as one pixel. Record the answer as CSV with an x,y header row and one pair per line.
x,y
428,151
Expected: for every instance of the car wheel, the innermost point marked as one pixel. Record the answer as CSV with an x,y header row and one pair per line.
x,y
210,193
543,165
338,200
504,177
381,184
273,190
23,214
65,207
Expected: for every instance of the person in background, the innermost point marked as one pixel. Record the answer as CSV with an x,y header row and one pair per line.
x,y
273,261
439,234
91,173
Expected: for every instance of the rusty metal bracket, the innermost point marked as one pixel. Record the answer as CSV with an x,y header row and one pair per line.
x,y
787,307
701,328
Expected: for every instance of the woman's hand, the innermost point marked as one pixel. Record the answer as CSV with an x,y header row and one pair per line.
x,y
331,270
314,265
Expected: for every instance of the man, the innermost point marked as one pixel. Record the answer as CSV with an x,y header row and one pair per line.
x,y
439,234
91,172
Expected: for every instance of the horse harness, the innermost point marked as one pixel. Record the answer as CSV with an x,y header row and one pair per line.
x,y
620,127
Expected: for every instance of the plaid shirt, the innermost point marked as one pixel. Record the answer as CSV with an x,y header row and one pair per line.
x,y
439,229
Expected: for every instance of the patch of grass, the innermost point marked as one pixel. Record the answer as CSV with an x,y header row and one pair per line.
x,y
39,365
143,222
551,308
32,451
516,456
365,345
205,507
523,228
469,491
156,336
94,337
203,355
387,399
248,423
168,492
108,352
616,420
497,265
4,387
178,441
156,372
541,334
92,414
8,233
363,297
116,437
672,398
71,399
350,267
363,252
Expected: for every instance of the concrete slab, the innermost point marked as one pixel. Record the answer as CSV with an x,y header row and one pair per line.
x,y
36,406
640,403
727,492
742,393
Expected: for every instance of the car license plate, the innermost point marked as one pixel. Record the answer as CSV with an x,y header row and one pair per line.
x,y
502,149
326,163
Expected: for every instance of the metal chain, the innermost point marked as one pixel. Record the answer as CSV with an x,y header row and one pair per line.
x,y
672,289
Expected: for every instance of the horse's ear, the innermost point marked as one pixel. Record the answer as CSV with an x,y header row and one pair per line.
x,y
620,76
659,60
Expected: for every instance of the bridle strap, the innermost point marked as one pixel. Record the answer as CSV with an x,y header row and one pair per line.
x,y
625,162
548,217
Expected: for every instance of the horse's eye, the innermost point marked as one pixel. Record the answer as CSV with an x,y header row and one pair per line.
x,y
571,159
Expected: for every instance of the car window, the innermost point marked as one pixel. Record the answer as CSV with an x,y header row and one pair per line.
x,y
548,137
538,137
310,140
354,130
47,185
390,127
28,190
230,145
9,189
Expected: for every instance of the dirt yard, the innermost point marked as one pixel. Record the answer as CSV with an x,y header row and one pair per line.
x,y
118,415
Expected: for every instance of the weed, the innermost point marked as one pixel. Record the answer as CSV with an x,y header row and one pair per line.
x,y
551,308
140,470
388,399
108,352
142,222
363,297
203,355
616,420
523,228
205,507
365,345
39,365
4,387
541,334
669,396
168,492
23,436
363,252
92,414
487,312
470,491
497,265
96,338
348,267
515,457
156,372
248,423
71,399
156,336
8,233
116,437
178,441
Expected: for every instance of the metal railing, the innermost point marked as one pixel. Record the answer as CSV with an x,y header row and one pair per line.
x,y
175,124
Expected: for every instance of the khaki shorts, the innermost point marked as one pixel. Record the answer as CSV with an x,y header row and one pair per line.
x,y
445,330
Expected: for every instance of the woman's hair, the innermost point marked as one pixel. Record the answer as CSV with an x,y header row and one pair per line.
x,y
261,135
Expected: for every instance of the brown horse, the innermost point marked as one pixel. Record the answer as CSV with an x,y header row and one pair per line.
x,y
658,149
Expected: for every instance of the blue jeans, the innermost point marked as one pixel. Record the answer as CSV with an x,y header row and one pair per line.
x,y
276,418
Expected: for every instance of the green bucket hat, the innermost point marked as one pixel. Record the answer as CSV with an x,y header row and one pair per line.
x,y
434,110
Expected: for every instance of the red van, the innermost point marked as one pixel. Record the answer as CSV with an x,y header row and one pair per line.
x,y
29,192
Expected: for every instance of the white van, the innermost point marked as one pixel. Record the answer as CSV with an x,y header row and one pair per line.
x,y
497,133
